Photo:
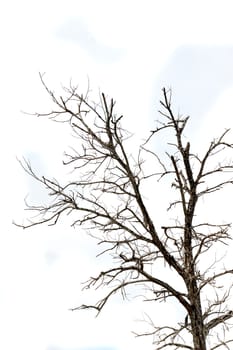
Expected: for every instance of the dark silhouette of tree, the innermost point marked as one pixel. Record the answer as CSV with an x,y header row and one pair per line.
x,y
106,198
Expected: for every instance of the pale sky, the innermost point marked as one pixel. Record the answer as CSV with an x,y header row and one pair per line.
x,y
129,50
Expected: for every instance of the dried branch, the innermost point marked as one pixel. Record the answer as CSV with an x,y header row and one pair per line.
x,y
105,196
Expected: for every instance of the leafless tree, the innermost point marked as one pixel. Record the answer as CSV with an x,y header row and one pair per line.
x,y
106,198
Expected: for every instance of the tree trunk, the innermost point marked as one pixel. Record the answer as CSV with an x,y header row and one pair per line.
x,y
197,324
198,333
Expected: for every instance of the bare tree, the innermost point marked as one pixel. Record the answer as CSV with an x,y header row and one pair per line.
x,y
107,199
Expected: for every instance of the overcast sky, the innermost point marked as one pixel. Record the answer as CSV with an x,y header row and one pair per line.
x,y
130,50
